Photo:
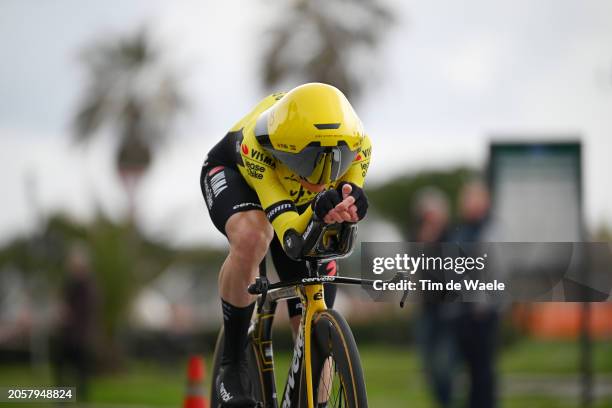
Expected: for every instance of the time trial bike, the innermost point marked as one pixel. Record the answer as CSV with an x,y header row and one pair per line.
x,y
326,368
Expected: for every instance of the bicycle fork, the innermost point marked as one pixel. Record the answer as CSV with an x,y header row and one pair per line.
x,y
313,302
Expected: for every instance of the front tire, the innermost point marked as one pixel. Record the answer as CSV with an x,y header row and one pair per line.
x,y
333,345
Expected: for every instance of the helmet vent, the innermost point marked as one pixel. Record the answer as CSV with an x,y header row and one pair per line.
x,y
322,126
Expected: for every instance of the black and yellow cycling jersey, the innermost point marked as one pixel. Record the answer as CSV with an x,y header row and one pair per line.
x,y
280,193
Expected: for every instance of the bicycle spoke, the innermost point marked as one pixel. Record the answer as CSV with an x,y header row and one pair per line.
x,y
331,387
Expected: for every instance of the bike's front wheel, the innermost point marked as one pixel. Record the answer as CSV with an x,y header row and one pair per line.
x,y
336,366
254,370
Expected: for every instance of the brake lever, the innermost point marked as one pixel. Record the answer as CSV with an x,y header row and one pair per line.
x,y
404,297
398,276
260,287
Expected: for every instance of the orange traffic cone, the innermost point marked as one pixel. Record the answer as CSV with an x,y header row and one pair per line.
x,y
195,376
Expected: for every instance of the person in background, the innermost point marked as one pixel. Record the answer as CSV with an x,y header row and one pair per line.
x,y
433,327
74,345
431,213
476,324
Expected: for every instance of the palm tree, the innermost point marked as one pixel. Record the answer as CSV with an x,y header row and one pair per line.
x,y
319,40
131,90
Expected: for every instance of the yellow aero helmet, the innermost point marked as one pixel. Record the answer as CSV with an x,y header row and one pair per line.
x,y
313,130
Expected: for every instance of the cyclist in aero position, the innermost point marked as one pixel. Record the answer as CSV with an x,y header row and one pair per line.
x,y
296,157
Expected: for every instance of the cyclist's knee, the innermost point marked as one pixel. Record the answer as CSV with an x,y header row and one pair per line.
x,y
249,234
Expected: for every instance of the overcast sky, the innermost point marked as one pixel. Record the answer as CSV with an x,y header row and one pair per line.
x,y
450,74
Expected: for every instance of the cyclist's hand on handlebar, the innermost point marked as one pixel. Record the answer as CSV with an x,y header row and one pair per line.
x,y
331,207
360,207
345,211
347,190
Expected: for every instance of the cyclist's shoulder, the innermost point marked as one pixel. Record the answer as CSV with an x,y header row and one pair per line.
x,y
251,117
251,149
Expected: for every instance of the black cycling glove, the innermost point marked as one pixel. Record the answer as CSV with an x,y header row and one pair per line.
x,y
361,200
325,201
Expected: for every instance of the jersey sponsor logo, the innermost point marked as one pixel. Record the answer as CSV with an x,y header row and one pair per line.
x,y
262,158
258,156
254,170
279,208
363,154
255,167
364,168
242,205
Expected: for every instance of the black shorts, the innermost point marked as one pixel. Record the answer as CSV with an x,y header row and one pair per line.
x,y
227,193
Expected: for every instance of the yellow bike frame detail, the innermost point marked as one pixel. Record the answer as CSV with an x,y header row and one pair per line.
x,y
312,299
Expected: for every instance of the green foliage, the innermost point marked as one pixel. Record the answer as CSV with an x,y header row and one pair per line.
x,y
114,261
122,261
603,233
43,252
131,89
335,43
394,199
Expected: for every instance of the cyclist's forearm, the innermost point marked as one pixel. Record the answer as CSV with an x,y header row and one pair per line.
x,y
291,220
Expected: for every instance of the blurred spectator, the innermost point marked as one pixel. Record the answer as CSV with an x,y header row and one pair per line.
x,y
476,324
431,213
474,204
433,326
74,341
